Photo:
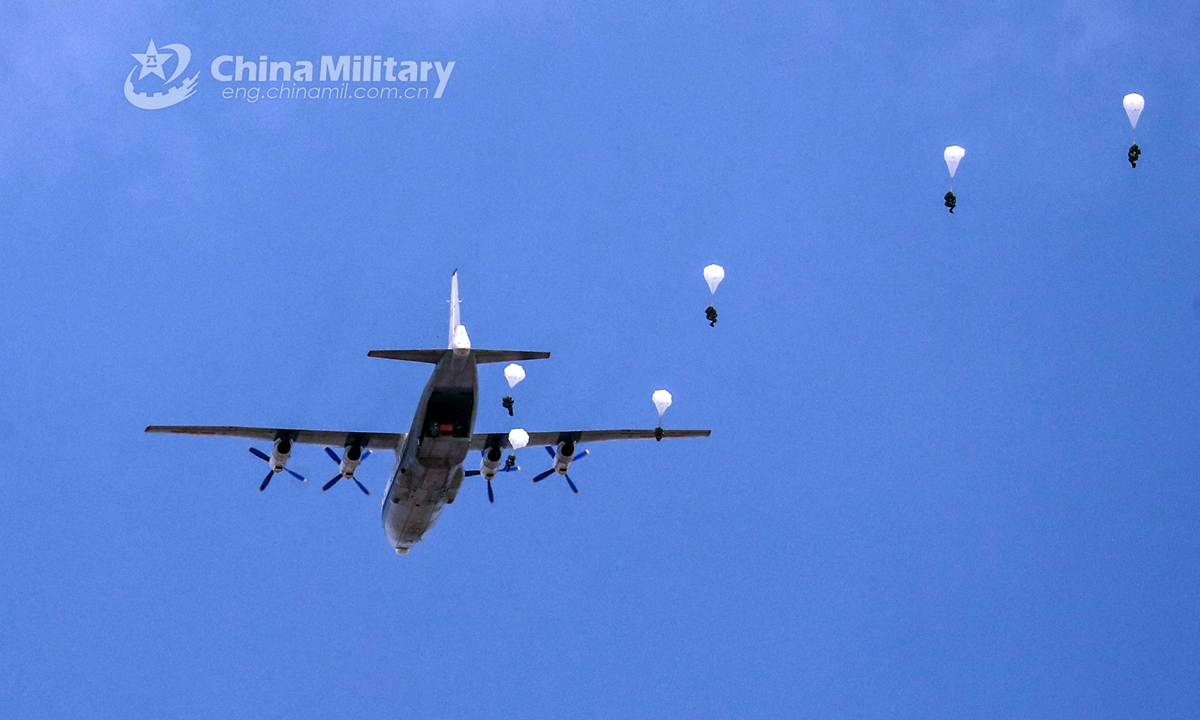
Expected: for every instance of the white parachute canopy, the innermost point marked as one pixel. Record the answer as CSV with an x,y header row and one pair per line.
x,y
662,401
518,438
713,275
514,374
952,155
1133,107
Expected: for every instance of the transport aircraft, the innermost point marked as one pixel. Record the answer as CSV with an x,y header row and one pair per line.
x,y
430,456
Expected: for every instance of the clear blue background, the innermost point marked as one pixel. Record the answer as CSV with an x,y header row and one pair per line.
x,y
953,469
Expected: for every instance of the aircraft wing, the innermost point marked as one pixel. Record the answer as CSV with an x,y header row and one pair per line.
x,y
581,437
333,438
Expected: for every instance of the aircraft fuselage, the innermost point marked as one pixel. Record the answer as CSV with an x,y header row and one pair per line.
x,y
429,466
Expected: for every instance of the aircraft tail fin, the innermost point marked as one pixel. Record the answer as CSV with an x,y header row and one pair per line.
x,y
460,344
455,320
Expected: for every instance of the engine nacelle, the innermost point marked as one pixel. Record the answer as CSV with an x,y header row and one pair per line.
x,y
352,456
280,454
490,465
564,456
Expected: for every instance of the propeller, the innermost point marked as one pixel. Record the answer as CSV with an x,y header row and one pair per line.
x,y
506,468
271,473
553,454
341,474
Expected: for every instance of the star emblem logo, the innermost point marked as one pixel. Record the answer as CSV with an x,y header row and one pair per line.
x,y
152,61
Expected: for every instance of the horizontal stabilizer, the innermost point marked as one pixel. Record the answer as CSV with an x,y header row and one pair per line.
x,y
481,356
497,356
422,356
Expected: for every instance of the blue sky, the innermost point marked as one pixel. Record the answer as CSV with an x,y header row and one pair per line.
x,y
954,458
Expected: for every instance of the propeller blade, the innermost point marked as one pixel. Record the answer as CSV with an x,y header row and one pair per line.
x,y
366,454
568,477
491,497
267,480
332,482
297,475
259,454
583,454
333,455
471,473
542,476
551,450
361,486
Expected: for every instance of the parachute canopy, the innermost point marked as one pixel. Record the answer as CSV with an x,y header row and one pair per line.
x,y
1133,107
952,155
713,275
518,438
662,401
514,374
